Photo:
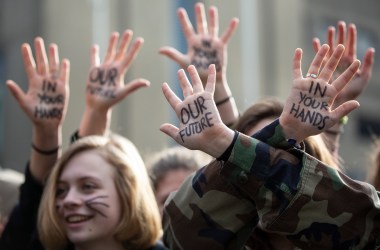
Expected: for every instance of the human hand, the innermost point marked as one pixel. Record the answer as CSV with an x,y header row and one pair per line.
x,y
46,100
308,108
363,75
105,84
201,127
205,47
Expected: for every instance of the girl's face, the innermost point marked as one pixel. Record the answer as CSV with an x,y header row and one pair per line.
x,y
87,200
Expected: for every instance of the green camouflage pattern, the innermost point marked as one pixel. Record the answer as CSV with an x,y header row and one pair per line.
x,y
265,195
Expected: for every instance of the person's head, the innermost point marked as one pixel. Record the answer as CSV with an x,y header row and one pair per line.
x,y
99,192
10,181
258,115
170,167
265,111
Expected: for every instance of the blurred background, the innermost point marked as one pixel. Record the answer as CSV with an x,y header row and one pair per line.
x,y
259,61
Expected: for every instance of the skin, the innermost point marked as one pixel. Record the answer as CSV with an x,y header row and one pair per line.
x,y
112,89
214,140
205,37
86,189
47,133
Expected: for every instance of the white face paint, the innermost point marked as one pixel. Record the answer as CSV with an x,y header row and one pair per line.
x,y
87,199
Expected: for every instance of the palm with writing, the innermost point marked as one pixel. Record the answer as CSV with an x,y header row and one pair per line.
x,y
205,47
309,108
105,85
363,75
200,123
46,100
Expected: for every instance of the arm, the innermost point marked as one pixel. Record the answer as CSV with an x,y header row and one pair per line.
x,y
205,47
358,83
45,103
278,188
105,84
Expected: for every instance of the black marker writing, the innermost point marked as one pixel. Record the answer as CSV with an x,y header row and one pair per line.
x,y
91,203
104,77
48,113
197,127
109,93
317,89
205,55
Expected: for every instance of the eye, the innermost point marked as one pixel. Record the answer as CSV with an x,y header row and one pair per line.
x,y
88,186
60,192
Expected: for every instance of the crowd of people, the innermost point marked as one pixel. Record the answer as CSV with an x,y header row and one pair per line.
x,y
269,177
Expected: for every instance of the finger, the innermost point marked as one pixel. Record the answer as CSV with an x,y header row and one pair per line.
x,y
175,55
111,47
346,76
65,71
125,40
187,27
332,63
368,61
297,71
132,86
210,85
42,66
170,96
171,131
53,60
230,30
341,39
29,64
16,92
318,60
200,17
316,44
195,79
214,21
344,109
95,60
132,53
331,39
187,90
351,41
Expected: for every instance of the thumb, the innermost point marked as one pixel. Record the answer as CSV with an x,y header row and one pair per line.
x,y
16,91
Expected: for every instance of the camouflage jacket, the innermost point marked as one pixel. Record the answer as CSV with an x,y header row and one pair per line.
x,y
267,184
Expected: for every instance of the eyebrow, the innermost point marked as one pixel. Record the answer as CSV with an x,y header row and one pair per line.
x,y
84,178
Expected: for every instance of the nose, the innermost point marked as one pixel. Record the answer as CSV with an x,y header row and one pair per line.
x,y
72,199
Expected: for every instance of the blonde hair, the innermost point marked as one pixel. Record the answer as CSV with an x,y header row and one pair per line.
x,y
140,225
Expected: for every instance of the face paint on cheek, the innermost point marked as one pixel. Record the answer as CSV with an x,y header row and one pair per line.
x,y
91,203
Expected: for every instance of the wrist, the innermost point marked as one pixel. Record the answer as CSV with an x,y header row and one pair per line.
x,y
221,143
95,122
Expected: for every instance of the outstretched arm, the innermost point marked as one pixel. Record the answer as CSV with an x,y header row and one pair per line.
x,y
45,103
105,83
205,47
348,38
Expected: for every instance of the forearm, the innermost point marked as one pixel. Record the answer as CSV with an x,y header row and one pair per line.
x,y
95,122
46,148
225,103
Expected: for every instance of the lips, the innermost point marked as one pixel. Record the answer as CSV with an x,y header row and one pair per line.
x,y
77,218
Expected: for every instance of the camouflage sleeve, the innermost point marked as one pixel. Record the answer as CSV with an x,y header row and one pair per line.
x,y
289,193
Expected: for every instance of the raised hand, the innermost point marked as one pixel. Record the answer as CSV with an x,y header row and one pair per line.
x,y
46,100
205,47
105,84
308,108
45,103
200,126
349,40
